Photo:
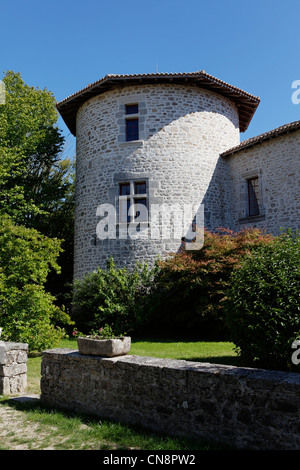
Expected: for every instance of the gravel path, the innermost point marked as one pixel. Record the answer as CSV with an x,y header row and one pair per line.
x,y
16,433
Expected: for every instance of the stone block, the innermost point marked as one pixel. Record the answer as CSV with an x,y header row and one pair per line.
x,y
13,367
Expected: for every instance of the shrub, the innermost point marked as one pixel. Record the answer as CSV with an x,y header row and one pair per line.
x,y
113,296
187,297
28,313
263,304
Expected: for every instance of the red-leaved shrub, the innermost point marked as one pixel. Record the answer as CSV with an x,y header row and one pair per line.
x,y
187,298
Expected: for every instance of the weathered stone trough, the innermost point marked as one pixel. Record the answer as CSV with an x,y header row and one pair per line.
x,y
109,347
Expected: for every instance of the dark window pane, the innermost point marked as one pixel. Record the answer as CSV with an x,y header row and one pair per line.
x,y
140,200
132,108
253,195
132,129
140,188
124,210
124,189
139,212
128,211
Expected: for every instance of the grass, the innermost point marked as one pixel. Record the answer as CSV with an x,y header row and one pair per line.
x,y
60,430
198,351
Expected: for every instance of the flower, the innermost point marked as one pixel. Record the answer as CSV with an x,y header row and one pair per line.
x,y
105,332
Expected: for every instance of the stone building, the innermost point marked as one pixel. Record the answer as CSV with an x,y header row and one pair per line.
x,y
159,154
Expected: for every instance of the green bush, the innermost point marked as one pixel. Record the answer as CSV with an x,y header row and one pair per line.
x,y
188,291
263,303
113,296
27,313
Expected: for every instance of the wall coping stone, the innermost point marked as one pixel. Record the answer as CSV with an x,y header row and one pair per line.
x,y
6,346
181,364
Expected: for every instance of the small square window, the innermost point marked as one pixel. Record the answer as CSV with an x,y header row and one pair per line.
x,y
140,187
132,108
124,189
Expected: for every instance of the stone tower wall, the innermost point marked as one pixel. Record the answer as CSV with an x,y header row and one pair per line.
x,y
182,131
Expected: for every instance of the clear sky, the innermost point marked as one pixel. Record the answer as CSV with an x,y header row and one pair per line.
x,y
63,45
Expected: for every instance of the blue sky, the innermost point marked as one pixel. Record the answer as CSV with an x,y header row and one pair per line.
x,y
65,45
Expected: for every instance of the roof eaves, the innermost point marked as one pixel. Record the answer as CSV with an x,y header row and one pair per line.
x,y
199,74
246,102
277,132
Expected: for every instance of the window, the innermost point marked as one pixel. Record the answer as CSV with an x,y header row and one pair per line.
x,y
124,189
253,196
132,108
132,129
131,118
250,205
133,201
132,122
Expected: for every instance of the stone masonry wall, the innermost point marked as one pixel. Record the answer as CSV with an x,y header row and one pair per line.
x,y
243,408
183,130
13,367
277,165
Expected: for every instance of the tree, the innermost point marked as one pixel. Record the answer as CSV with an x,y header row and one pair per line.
x,y
27,312
113,296
263,305
36,184
32,144
36,208
188,293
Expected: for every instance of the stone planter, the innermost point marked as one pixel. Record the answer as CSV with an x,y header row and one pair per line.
x,y
104,347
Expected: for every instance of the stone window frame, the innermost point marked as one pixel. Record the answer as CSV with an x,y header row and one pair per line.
x,y
153,188
122,117
131,198
244,215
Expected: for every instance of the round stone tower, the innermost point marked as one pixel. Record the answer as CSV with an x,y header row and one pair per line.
x,y
148,163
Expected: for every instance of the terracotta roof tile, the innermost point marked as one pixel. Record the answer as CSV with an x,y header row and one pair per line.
x,y
245,102
286,128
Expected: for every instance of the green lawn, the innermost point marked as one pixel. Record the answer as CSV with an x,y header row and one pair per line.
x,y
199,351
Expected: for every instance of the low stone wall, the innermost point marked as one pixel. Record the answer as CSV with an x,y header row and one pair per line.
x,y
244,408
13,367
